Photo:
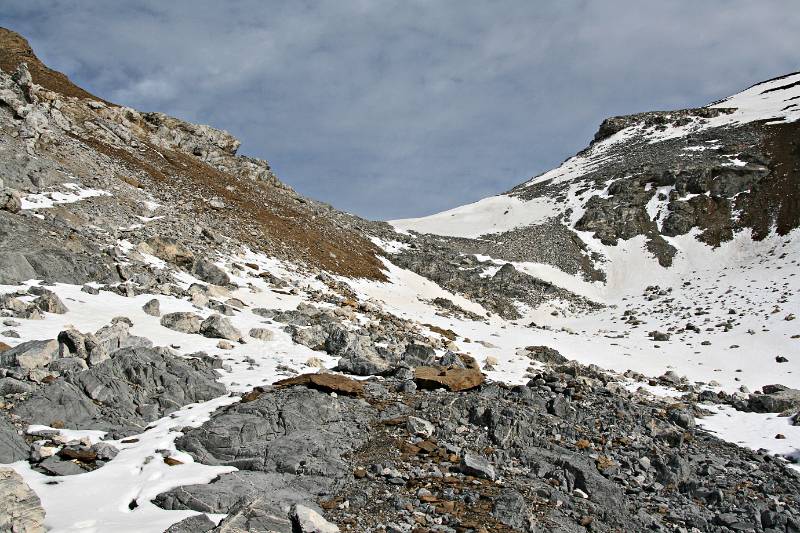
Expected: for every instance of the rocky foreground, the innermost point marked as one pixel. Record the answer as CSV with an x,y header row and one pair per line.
x,y
425,443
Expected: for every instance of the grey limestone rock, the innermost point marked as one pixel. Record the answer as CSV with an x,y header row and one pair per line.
x,y
182,321
31,354
219,327
20,508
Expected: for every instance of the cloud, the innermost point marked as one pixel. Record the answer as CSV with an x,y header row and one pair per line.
x,y
402,108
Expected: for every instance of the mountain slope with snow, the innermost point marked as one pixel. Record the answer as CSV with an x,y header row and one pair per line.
x,y
189,345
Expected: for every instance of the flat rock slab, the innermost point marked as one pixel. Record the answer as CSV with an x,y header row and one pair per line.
x,y
325,383
452,379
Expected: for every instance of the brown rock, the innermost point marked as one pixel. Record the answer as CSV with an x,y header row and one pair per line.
x,y
86,455
451,378
253,395
325,383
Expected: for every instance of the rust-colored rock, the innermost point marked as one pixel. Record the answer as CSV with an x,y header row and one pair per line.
x,y
451,378
326,383
4,347
86,455
253,395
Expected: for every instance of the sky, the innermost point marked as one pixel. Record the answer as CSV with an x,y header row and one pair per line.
x,y
392,109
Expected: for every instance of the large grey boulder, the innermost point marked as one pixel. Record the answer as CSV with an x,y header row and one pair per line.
x,y
31,354
207,271
314,336
96,348
511,509
226,491
57,466
20,508
775,399
292,430
74,344
31,250
182,321
116,336
219,327
358,354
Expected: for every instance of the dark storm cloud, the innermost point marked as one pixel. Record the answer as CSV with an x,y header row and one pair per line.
x,y
403,108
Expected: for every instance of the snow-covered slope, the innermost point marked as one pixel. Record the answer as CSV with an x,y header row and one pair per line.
x,y
495,214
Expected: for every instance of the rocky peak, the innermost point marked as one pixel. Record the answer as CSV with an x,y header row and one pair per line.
x,y
14,49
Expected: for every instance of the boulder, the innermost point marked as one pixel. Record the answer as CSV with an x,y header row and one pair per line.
x,y
476,465
73,343
510,509
313,337
219,327
116,336
31,354
57,466
20,508
207,271
15,268
258,498
545,354
775,399
10,200
49,302
262,334
326,383
170,251
307,520
152,307
452,378
182,321
258,514
287,431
